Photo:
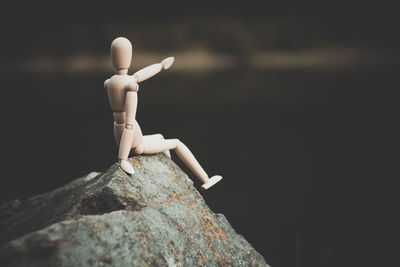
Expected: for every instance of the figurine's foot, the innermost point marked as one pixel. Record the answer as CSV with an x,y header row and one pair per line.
x,y
127,167
166,63
213,180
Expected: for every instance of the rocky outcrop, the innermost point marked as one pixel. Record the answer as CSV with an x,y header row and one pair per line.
x,y
154,218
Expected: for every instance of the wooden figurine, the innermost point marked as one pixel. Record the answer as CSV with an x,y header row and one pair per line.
x,y
122,92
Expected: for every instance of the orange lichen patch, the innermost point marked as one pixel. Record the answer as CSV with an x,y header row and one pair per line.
x,y
192,206
177,251
175,196
204,212
227,259
122,174
182,197
210,228
67,218
173,249
141,231
94,229
216,254
219,233
137,161
171,171
202,259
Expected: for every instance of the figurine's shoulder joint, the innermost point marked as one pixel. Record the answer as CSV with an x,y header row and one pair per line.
x,y
132,86
106,83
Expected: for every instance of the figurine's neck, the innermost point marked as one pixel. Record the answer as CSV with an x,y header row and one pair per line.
x,y
122,71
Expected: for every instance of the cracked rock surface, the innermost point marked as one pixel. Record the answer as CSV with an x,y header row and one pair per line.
x,y
154,218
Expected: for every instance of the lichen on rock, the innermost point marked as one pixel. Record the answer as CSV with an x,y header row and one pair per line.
x,y
154,218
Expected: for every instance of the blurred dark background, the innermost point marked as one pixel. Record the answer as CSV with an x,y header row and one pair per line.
x,y
293,103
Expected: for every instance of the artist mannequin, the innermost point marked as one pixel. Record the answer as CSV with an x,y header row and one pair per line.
x,y
122,92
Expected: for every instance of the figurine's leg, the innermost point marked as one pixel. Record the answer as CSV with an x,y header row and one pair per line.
x,y
156,137
119,125
183,152
125,148
118,130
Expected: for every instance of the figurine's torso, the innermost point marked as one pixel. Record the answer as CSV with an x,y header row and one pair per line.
x,y
116,86
117,89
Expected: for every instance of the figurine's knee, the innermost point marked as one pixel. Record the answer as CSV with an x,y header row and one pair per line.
x,y
181,146
139,149
178,143
172,143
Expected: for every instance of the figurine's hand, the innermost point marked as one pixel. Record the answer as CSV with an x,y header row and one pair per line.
x,y
126,166
166,63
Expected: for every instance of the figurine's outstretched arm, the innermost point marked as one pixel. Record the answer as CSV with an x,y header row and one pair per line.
x,y
152,70
128,133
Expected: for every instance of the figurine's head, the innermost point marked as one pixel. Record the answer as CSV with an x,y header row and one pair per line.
x,y
121,53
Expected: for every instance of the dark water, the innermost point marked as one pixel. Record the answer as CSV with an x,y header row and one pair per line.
x,y
295,147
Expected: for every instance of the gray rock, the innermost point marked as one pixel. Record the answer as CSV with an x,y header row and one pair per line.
x,y
155,218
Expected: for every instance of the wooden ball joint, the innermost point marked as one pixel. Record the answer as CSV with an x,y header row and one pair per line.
x,y
122,92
